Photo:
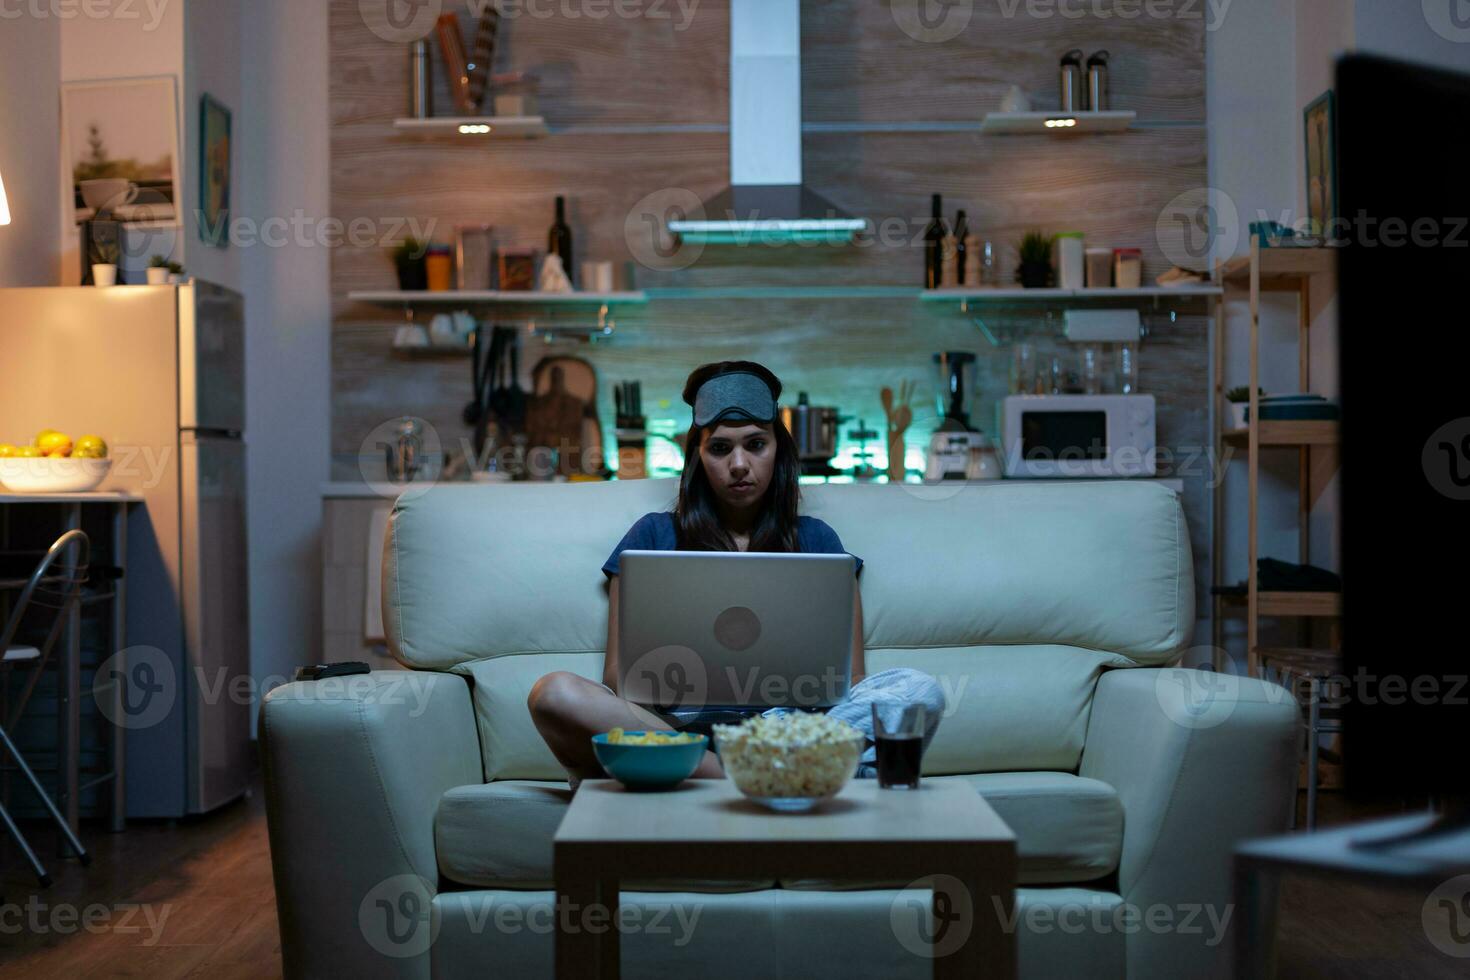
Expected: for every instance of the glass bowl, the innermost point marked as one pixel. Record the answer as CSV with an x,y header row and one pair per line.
x,y
788,775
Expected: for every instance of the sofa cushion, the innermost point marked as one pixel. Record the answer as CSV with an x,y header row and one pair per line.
x,y
510,745
475,571
499,835
1006,707
1068,829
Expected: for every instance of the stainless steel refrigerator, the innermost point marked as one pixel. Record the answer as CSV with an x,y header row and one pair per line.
x,y
158,372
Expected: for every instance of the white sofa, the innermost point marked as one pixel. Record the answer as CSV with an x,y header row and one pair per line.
x,y
411,813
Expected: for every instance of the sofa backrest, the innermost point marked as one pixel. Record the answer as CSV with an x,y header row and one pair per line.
x,y
1015,594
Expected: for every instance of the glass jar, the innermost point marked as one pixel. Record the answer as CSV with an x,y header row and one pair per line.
x,y
439,266
1023,369
1128,368
1128,268
1090,368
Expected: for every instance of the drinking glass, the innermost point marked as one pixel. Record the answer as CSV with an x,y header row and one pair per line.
x,y
1128,369
1023,369
898,737
1091,364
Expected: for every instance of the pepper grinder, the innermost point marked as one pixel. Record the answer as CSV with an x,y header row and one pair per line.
x,y
631,431
1097,81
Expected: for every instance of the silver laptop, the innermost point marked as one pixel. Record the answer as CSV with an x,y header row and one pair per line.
x,y
718,629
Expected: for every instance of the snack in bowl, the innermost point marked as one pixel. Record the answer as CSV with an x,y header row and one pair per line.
x,y
789,762
645,760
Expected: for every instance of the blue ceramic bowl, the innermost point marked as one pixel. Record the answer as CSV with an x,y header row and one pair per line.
x,y
649,767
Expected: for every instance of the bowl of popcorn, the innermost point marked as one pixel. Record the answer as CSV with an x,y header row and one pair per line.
x,y
649,760
789,762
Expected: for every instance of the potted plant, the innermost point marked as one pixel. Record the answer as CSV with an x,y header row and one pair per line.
x,y
1240,400
104,269
176,273
158,271
1034,271
410,259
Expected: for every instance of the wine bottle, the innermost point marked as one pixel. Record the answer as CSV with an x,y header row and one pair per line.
x,y
961,229
934,236
559,240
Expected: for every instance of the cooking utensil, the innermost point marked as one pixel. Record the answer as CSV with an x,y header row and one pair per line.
x,y
814,427
515,397
899,419
471,413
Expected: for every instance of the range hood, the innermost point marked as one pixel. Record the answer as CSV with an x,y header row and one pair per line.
x,y
766,201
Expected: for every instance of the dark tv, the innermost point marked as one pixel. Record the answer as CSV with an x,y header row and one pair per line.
x,y
1404,315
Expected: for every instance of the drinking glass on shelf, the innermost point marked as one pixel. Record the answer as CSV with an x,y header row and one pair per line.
x,y
1091,364
1023,369
898,738
1128,369
1058,378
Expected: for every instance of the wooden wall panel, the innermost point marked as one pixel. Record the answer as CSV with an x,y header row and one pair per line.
x,y
858,68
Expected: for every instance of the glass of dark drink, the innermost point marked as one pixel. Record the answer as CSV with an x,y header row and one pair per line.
x,y
898,735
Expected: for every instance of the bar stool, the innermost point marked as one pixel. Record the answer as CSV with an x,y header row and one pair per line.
x,y
58,590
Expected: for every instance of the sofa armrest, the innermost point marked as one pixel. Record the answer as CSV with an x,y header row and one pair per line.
x,y
354,767
1200,760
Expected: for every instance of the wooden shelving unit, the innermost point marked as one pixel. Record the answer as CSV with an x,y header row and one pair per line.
x,y
1310,274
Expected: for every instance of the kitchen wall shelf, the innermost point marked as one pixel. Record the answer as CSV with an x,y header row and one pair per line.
x,y
1051,295
493,297
1108,121
986,299
781,292
471,127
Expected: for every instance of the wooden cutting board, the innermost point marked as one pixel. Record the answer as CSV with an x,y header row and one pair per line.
x,y
566,392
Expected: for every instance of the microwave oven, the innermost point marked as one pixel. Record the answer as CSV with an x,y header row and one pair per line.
x,y
1084,436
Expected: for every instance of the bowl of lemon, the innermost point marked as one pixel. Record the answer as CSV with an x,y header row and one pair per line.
x,y
54,463
649,760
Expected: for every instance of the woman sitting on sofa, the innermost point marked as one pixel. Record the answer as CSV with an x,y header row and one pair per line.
x,y
738,492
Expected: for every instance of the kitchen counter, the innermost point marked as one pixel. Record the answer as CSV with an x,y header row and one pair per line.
x,y
91,497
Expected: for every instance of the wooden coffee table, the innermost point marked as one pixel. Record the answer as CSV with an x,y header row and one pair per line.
x,y
706,830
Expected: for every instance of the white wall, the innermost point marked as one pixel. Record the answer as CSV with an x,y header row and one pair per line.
x,y
30,64
283,161
213,41
146,42
1251,111
1400,29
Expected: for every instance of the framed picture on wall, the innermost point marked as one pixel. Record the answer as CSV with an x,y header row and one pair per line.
x,y
1321,157
214,172
120,149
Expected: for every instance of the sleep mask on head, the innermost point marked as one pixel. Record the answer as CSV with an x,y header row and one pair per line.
x,y
738,396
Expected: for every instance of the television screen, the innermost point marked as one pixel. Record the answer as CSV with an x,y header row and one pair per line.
x,y
1403,192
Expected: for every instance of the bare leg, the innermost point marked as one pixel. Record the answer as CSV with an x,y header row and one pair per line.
x,y
568,710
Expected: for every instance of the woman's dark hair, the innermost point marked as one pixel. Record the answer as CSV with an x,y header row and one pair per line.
x,y
696,519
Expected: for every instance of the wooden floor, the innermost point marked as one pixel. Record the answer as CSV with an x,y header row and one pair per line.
x,y
195,900
188,899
